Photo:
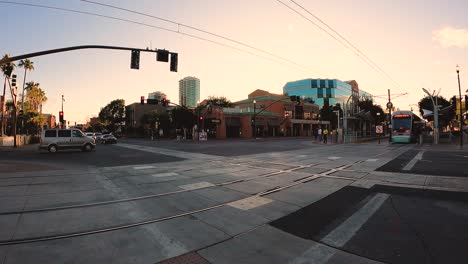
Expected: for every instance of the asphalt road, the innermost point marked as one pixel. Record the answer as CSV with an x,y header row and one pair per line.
x,y
231,147
410,226
30,158
433,162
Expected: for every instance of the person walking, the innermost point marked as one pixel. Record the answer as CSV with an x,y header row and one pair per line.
x,y
319,133
325,135
315,134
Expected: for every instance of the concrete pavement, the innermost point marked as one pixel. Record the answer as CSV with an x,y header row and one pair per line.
x,y
207,204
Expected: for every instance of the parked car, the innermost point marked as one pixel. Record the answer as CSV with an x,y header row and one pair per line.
x,y
56,139
108,139
90,135
97,136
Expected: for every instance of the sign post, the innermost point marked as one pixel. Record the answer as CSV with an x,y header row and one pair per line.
x,y
379,131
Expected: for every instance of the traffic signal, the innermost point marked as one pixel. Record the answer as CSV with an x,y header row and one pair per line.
x,y
466,102
152,101
142,100
164,102
174,62
201,118
135,60
61,117
162,55
13,80
453,102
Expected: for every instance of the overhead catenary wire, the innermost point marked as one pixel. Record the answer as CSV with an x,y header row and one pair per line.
x,y
179,24
343,41
294,65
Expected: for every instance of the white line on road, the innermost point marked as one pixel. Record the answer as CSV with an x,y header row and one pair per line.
x,y
143,167
166,174
250,203
195,186
316,254
412,162
344,232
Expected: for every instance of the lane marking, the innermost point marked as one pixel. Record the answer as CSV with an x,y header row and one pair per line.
x,y
250,203
316,254
167,174
413,162
195,186
372,160
334,158
344,232
143,167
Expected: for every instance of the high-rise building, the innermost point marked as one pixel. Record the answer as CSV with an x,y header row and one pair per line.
x,y
157,95
189,91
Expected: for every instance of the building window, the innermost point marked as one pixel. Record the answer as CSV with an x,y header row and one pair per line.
x,y
322,83
320,92
329,93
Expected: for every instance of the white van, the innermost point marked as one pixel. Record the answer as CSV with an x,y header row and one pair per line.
x,y
55,139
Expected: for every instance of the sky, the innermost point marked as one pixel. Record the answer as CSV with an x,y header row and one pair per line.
x,y
417,43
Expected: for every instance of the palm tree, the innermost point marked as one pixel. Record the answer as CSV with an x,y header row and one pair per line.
x,y
35,96
28,65
7,69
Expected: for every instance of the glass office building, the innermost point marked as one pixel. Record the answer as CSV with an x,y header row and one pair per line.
x,y
319,89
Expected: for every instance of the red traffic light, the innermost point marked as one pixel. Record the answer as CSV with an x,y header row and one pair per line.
x,y
201,117
61,113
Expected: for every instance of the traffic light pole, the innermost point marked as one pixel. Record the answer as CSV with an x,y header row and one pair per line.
x,y
52,51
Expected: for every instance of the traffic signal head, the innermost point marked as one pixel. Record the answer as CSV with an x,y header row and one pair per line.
x,y
162,55
13,80
164,102
61,116
142,100
174,62
201,118
135,60
453,102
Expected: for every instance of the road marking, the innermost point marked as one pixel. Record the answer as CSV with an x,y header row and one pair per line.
x,y
372,160
167,174
197,185
413,162
301,156
344,232
143,167
250,203
334,158
317,254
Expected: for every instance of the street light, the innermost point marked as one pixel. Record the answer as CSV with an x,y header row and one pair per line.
x,y
254,132
461,116
436,115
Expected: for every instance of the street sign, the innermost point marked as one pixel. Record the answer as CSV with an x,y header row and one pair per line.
x,y
216,121
202,136
379,129
389,105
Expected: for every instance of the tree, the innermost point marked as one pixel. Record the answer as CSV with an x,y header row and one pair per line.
x,y
7,69
220,101
326,112
35,96
113,113
444,117
28,65
183,118
367,104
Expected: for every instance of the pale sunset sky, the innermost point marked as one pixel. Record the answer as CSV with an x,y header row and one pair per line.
x,y
417,43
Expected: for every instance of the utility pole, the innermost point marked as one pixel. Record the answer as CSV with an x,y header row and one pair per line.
x,y
390,106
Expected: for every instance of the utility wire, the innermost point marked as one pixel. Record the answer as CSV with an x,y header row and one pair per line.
x,y
347,44
296,66
346,40
196,29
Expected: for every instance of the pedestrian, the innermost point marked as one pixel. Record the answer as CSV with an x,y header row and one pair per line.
x,y
325,135
315,134
319,133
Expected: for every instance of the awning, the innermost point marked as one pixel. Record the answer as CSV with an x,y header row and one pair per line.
x,y
233,121
274,122
259,122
